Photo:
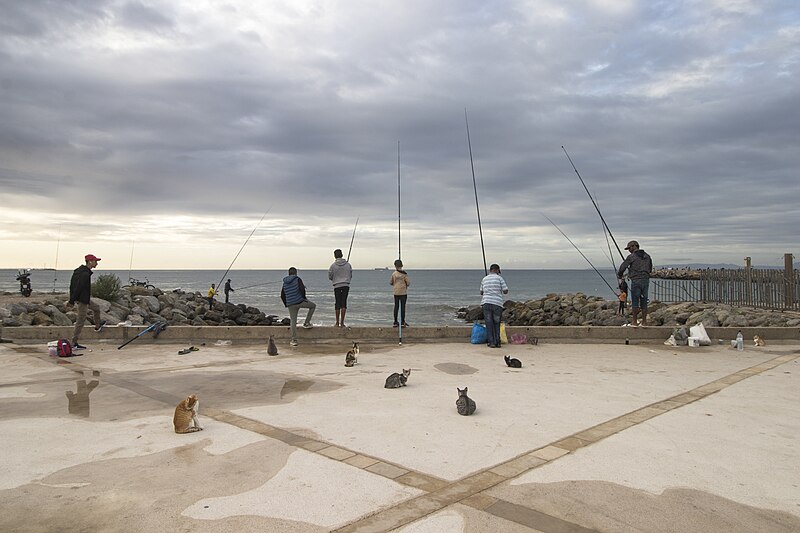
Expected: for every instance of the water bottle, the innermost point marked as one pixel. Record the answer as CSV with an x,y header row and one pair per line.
x,y
739,341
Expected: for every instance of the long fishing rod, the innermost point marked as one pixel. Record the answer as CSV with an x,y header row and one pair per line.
x,y
579,251
352,239
475,187
399,255
593,203
242,248
130,265
55,270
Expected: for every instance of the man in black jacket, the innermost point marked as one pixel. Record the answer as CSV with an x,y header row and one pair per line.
x,y
80,292
639,266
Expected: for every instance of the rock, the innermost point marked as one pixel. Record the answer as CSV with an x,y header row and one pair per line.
x,y
150,303
58,318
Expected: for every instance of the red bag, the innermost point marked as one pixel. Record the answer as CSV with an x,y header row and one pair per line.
x,y
63,348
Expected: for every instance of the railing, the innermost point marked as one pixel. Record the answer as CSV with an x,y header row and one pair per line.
x,y
765,288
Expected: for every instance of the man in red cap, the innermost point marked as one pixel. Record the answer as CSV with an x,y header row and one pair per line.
x,y
80,292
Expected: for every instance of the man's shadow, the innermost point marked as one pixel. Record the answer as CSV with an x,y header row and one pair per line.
x,y
79,401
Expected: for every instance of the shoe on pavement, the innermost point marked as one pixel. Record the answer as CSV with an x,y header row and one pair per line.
x,y
308,326
293,343
77,346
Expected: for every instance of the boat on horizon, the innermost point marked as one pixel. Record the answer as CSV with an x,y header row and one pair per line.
x,y
381,268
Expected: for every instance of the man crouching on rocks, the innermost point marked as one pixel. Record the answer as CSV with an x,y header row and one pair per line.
x,y
80,292
639,266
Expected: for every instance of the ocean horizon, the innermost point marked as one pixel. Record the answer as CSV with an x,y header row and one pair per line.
x,y
434,297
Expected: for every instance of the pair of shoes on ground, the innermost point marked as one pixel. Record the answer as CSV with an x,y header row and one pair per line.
x,y
293,343
101,325
396,324
188,350
493,345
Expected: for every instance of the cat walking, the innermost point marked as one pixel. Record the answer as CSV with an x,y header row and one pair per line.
x,y
397,380
512,362
352,356
185,419
464,404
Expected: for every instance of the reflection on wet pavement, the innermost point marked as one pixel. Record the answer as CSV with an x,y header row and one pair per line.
x,y
456,369
79,401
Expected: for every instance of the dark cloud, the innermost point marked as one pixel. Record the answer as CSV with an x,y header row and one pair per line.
x,y
680,117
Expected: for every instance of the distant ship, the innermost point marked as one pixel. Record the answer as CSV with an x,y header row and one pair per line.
x,y
381,268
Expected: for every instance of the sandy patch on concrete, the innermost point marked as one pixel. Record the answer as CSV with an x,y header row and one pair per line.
x,y
37,447
754,421
340,493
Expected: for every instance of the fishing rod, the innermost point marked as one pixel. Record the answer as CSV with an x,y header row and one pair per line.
x,y
579,251
399,255
55,270
130,265
243,245
475,187
352,239
593,203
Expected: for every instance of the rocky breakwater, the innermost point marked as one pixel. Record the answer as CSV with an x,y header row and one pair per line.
x,y
137,306
581,310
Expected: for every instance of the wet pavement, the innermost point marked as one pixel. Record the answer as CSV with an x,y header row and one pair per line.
x,y
582,438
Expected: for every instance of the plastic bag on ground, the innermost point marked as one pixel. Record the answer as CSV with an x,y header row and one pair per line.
x,y
479,335
699,331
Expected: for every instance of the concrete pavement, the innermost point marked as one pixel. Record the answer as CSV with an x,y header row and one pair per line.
x,y
585,437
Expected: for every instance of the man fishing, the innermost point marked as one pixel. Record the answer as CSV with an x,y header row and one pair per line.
x,y
493,287
228,290
639,266
340,273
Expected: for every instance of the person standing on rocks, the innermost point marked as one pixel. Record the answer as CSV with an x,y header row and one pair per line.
x,y
210,296
340,273
293,296
228,290
80,292
639,266
493,287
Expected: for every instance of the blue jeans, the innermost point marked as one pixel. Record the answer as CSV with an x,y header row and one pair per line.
x,y
639,289
492,314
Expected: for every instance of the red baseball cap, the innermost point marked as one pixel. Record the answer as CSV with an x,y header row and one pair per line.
x,y
91,257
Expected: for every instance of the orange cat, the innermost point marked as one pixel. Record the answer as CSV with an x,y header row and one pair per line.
x,y
185,419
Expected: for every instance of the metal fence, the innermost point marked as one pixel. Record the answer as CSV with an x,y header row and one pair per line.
x,y
765,288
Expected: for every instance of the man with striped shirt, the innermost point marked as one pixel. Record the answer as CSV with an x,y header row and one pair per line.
x,y
493,287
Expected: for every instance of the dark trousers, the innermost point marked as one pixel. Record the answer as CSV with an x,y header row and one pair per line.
x,y
492,314
400,302
340,297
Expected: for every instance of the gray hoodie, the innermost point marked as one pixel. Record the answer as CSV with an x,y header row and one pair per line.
x,y
638,264
340,273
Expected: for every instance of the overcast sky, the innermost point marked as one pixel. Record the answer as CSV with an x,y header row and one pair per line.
x,y
156,133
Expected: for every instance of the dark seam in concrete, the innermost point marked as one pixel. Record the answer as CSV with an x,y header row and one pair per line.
x,y
534,519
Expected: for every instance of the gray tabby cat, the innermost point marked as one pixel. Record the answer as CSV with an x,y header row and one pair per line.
x,y
395,381
464,404
352,356
271,348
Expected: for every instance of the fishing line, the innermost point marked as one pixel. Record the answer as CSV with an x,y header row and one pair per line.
x,y
352,239
242,248
579,251
475,187
594,203
259,285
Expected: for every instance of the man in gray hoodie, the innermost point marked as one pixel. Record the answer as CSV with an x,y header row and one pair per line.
x,y
639,266
340,273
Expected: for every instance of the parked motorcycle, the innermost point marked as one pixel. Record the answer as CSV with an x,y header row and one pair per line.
x,y
24,278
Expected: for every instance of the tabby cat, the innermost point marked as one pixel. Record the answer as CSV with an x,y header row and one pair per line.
x,y
395,381
512,362
352,356
464,404
271,348
185,419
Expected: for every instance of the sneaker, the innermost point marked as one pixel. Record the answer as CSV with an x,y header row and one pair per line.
x,y
77,346
395,324
405,325
100,326
293,343
308,326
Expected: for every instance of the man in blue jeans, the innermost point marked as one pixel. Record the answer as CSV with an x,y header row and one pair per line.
x,y
639,266
493,287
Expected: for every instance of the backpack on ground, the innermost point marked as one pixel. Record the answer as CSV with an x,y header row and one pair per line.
x,y
63,348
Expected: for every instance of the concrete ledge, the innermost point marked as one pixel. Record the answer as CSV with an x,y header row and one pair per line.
x,y
322,334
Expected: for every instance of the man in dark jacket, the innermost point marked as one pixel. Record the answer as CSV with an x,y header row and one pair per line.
x,y
639,266
80,292
293,296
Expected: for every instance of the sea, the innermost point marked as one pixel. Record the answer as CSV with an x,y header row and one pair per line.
x,y
434,296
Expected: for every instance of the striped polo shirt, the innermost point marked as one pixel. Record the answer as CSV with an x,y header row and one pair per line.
x,y
492,287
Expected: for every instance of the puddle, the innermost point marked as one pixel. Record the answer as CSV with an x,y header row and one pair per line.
x,y
455,369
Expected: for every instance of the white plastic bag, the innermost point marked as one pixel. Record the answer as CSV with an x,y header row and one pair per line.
x,y
699,331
